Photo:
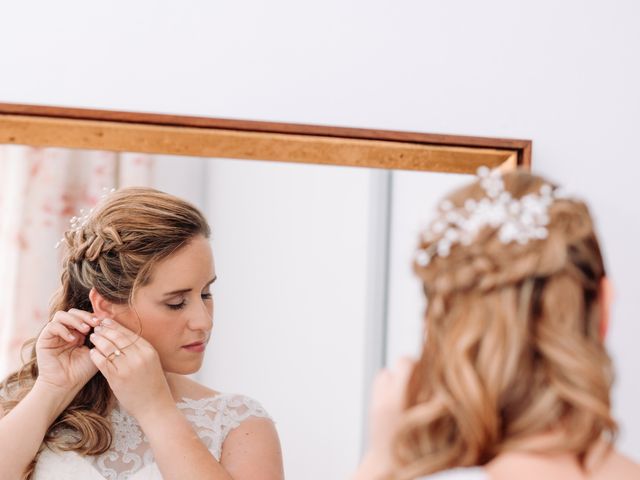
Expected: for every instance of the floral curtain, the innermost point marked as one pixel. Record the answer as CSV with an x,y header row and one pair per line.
x,y
40,190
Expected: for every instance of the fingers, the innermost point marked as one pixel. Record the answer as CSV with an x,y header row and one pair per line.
x,y
404,367
117,333
401,368
57,329
104,345
72,320
70,327
101,362
110,337
86,317
396,377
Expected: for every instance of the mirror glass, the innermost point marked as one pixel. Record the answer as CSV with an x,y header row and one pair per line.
x,y
314,289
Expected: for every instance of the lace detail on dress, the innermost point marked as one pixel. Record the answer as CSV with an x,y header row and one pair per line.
x,y
215,417
127,450
212,418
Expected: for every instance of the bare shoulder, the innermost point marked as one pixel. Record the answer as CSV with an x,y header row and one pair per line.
x,y
185,387
250,448
617,466
253,451
562,467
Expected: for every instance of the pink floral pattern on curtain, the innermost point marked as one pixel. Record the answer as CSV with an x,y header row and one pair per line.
x,y
40,190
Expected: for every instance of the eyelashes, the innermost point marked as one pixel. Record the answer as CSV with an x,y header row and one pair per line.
x,y
181,305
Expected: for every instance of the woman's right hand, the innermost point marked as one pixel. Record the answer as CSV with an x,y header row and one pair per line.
x,y
63,359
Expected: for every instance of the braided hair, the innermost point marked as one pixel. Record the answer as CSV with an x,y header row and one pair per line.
x,y
113,251
512,345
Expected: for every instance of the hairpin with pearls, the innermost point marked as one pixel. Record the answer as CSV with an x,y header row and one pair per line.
x,y
78,222
516,219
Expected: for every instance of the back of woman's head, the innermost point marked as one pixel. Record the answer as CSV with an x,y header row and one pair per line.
x,y
112,249
513,346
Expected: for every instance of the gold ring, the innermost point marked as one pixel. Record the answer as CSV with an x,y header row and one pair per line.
x,y
117,353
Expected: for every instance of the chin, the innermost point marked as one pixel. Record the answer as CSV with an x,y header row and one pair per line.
x,y
183,368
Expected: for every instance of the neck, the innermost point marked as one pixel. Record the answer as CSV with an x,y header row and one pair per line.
x,y
174,381
549,446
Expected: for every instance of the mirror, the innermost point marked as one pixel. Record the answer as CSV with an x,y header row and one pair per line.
x,y
312,247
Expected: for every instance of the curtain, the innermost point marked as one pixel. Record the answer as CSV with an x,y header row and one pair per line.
x,y
40,190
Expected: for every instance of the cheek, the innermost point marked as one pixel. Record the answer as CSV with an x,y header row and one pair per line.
x,y
163,330
157,326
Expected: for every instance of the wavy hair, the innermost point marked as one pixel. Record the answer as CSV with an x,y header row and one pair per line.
x,y
114,252
512,344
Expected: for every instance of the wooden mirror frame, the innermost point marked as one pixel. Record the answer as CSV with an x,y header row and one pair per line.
x,y
46,126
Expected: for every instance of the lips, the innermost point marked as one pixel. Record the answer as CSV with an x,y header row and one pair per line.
x,y
194,344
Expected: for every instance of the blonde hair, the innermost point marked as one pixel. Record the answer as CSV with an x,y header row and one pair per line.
x,y
512,344
114,252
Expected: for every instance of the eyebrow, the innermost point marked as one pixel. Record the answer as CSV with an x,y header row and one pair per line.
x,y
185,290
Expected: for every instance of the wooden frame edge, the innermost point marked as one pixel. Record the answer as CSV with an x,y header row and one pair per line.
x,y
214,137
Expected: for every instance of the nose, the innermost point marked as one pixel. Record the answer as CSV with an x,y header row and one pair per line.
x,y
202,317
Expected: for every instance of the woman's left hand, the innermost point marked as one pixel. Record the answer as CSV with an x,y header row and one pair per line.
x,y
131,366
388,402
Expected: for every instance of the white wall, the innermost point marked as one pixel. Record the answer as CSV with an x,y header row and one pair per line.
x,y
291,244
564,74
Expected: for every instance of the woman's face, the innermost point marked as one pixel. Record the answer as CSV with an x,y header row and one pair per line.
x,y
176,307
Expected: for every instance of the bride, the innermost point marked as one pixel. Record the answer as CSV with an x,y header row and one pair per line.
x,y
105,393
513,380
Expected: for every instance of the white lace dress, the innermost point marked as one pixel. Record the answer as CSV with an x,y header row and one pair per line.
x,y
130,456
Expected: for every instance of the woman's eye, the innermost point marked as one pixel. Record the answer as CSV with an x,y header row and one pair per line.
x,y
176,306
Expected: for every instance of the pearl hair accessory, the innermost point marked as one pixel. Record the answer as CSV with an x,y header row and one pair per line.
x,y
517,220
79,222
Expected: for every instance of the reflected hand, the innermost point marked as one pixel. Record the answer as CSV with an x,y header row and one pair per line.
x,y
388,403
63,359
131,366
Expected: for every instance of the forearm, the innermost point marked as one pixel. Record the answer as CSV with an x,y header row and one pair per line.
x,y
177,450
24,427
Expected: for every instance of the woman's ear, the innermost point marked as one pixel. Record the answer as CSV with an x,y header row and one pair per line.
x,y
102,307
605,299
